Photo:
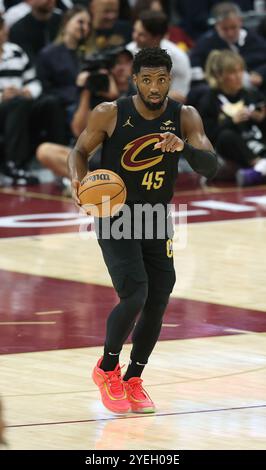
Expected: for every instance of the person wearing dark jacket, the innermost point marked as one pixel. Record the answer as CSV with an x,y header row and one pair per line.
x,y
60,63
37,29
234,118
228,34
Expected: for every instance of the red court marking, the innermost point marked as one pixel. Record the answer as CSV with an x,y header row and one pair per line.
x,y
21,205
85,309
129,416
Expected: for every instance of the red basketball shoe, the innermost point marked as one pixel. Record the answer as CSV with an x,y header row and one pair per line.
x,y
112,388
138,397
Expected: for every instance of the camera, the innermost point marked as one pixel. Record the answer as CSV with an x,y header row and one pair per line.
x,y
98,81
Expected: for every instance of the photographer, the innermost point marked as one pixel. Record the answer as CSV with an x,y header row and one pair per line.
x,y
96,86
101,84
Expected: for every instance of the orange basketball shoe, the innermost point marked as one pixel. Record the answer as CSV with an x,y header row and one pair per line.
x,y
138,397
112,388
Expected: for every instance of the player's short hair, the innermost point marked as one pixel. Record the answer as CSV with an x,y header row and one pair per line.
x,y
152,57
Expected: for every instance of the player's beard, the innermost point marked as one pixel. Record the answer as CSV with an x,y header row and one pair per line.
x,y
152,106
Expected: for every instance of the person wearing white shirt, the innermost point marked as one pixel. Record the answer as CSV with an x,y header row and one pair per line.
x,y
19,88
18,11
15,13
149,31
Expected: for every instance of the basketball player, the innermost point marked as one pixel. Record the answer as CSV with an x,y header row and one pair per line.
x,y
141,269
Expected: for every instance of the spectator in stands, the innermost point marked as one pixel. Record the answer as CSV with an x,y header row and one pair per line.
x,y
21,9
55,156
261,28
108,30
59,64
149,31
142,5
16,12
175,34
38,28
228,34
233,118
34,31
194,15
125,10
18,90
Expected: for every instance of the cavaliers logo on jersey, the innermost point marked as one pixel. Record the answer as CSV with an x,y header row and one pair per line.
x,y
130,159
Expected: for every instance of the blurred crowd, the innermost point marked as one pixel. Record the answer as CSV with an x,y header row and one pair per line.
x,y
60,58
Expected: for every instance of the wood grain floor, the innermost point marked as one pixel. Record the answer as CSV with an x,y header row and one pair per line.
x,y
210,394
209,391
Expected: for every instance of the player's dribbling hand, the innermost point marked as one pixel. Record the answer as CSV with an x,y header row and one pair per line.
x,y
75,187
169,143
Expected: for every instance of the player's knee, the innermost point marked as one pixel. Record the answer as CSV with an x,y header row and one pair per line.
x,y
134,294
139,297
159,298
156,306
166,285
171,281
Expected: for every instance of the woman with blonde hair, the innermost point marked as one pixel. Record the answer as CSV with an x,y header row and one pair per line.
x,y
234,118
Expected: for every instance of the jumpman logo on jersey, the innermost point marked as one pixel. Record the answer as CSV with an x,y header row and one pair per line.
x,y
128,123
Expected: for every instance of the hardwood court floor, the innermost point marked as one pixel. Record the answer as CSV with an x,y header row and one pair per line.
x,y
207,374
210,394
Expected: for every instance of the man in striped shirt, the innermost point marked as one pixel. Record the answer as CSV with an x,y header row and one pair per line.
x,y
18,87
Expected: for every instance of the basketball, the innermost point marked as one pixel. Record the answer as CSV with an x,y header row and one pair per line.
x,y
102,193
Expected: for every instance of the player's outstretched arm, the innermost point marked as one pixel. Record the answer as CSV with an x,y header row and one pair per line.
x,y
194,145
198,150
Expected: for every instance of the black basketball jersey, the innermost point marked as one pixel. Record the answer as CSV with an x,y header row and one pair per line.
x,y
148,173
